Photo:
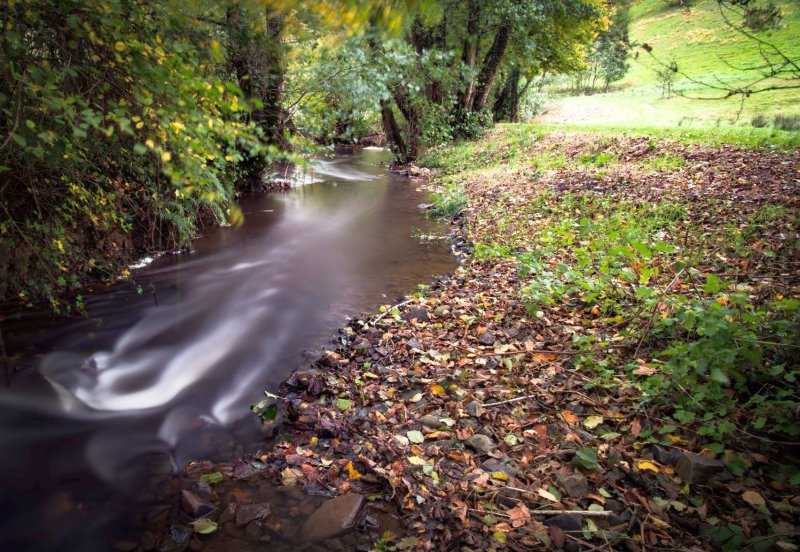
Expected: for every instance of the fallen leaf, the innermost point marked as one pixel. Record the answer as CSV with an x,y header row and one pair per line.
x,y
519,515
753,498
548,495
593,421
500,475
204,526
643,465
415,436
437,389
569,416
352,473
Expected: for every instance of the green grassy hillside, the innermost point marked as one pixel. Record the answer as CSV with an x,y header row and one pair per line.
x,y
704,48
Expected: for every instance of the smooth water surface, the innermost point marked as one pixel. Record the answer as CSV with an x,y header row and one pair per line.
x,y
166,374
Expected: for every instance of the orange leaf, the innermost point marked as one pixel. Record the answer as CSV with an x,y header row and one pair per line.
x,y
352,473
569,416
437,389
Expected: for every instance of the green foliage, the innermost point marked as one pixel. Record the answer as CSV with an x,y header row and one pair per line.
x,y
117,131
716,354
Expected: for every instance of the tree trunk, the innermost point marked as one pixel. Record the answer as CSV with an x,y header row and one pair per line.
x,y
413,122
259,64
393,134
490,65
506,105
469,55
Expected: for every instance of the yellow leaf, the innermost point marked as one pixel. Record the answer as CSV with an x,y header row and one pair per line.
x,y
753,498
166,156
676,440
120,46
500,475
149,143
437,389
352,473
645,465
593,421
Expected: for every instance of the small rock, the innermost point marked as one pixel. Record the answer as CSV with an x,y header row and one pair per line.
x,y
335,517
566,522
195,506
420,314
474,409
575,485
440,311
668,457
251,512
233,531
228,514
431,421
481,443
493,465
696,469
253,530
413,343
487,338
176,539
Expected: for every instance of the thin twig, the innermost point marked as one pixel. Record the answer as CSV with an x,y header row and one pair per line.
x,y
390,309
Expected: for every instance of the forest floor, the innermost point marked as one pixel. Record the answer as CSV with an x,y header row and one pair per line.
x,y
612,368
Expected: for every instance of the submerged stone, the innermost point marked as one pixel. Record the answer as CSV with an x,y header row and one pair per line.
x,y
335,517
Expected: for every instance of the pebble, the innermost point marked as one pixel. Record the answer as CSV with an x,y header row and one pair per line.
x,y
493,465
420,314
431,421
487,338
335,517
247,513
696,469
566,522
575,485
481,443
195,506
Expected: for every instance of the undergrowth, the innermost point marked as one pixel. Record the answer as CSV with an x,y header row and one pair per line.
x,y
645,285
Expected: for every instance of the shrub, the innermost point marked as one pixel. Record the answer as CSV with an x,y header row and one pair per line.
x,y
787,122
759,120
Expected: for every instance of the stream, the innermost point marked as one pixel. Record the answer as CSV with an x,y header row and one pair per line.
x,y
157,376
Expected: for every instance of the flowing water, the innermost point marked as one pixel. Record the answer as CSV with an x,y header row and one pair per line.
x,y
166,373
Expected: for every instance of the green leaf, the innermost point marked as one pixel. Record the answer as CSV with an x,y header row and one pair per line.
x,y
586,458
415,436
719,376
212,478
713,284
20,140
141,149
204,526
343,404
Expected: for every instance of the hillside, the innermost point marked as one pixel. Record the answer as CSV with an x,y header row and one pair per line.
x,y
705,49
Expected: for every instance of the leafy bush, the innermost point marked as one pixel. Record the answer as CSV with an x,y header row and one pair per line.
x,y
118,135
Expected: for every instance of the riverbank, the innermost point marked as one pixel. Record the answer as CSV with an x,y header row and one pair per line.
x,y
612,369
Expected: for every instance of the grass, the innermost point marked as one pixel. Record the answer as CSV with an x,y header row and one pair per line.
x,y
637,273
510,145
704,48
